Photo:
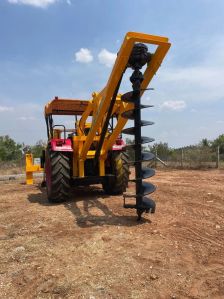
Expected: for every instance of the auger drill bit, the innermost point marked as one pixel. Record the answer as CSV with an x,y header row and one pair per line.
x,y
139,57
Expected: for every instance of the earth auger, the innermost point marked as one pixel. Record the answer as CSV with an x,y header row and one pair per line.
x,y
94,152
139,57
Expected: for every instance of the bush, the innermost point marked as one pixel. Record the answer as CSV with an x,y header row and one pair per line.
x,y
37,149
9,149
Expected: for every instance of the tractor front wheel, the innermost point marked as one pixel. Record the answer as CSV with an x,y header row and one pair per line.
x,y
119,168
57,170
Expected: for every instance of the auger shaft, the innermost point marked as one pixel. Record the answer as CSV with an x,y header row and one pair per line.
x,y
139,57
136,80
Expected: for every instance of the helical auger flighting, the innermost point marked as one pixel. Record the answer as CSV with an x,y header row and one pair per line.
x,y
138,58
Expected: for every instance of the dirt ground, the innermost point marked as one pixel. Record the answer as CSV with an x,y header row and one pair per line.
x,y
95,249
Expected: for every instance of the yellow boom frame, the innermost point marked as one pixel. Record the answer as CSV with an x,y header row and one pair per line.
x,y
97,107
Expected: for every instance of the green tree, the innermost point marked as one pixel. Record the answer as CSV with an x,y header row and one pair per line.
x,y
205,143
219,141
37,149
162,149
9,149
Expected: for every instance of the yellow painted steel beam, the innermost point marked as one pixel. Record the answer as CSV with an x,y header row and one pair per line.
x,y
118,69
30,169
152,67
85,115
108,143
83,138
102,167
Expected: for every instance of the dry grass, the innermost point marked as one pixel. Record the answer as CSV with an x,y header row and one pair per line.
x,y
8,168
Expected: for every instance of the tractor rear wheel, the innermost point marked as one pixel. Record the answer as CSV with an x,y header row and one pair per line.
x,y
118,183
57,169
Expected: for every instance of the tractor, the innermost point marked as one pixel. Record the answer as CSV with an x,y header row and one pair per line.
x,y
93,150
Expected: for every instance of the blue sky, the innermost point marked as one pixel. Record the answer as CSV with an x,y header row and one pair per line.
x,y
66,48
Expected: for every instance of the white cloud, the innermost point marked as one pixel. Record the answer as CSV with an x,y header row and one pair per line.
x,y
5,108
36,3
193,84
173,105
107,58
25,118
200,81
84,55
